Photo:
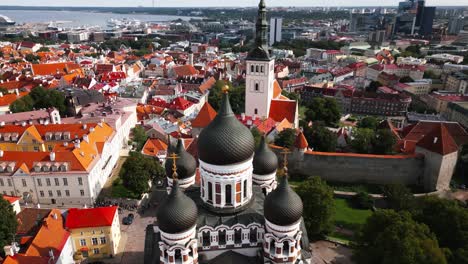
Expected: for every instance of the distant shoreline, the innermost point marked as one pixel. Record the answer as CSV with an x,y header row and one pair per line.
x,y
146,8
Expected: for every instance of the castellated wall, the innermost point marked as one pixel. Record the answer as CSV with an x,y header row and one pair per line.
x,y
345,167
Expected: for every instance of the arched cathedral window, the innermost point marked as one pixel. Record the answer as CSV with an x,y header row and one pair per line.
x,y
256,87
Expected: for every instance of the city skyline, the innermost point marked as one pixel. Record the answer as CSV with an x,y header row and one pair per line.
x,y
215,3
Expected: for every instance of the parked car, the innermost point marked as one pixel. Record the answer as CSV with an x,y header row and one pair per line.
x,y
128,220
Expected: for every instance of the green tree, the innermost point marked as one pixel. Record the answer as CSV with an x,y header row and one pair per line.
x,y
320,138
23,104
3,90
323,109
430,75
236,96
368,122
139,137
257,135
449,222
8,224
384,142
138,170
406,79
42,98
373,86
362,140
32,58
389,237
318,206
398,197
43,49
362,200
286,138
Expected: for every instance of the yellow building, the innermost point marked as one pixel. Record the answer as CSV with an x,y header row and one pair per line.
x,y
95,232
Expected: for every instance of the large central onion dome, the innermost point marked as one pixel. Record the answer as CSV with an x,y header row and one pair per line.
x,y
283,206
177,213
225,140
265,160
185,163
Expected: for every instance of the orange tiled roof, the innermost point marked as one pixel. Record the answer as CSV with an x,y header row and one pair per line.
x,y
51,236
53,68
276,89
205,116
7,99
301,141
439,141
281,109
185,70
153,146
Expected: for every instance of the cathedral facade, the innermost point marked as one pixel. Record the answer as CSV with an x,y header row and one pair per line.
x,y
236,212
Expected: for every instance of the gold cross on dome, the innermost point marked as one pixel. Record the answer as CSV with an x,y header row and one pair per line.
x,y
285,154
174,158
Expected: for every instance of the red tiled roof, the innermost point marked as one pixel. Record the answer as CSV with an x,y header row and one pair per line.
x,y
417,132
281,109
11,199
90,217
439,141
205,116
180,104
53,68
185,70
301,141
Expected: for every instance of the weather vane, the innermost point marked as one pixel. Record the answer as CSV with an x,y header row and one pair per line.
x,y
174,158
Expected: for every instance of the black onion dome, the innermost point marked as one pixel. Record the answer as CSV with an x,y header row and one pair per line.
x,y
225,140
283,206
177,213
186,163
265,160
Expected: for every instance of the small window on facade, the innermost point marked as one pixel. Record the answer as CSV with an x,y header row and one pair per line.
x,y
256,68
256,87
256,111
251,68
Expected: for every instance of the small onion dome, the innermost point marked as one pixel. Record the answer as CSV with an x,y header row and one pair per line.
x,y
177,213
265,160
185,163
225,140
283,206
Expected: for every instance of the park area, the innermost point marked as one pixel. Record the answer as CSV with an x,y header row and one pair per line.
x,y
347,220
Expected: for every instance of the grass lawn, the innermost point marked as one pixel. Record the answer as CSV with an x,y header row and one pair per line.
x,y
120,191
347,217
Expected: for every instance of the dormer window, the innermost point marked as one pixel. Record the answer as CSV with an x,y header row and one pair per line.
x,y
45,168
54,168
66,135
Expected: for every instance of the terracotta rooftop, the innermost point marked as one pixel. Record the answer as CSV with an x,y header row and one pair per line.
x,y
301,141
205,116
281,109
438,140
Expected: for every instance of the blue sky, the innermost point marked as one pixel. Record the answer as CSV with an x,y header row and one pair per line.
x,y
188,3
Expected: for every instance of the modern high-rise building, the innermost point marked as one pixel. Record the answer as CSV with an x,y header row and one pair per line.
x,y
276,24
414,17
455,25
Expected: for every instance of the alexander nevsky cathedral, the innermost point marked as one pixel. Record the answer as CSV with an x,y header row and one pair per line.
x,y
238,211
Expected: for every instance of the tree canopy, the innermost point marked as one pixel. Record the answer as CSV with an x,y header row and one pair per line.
x,y
236,96
320,138
389,237
449,222
257,135
373,86
138,170
384,142
8,224
362,140
323,109
398,197
286,138
368,122
39,98
317,197
139,137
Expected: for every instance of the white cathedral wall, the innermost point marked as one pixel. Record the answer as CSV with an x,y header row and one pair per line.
x,y
232,175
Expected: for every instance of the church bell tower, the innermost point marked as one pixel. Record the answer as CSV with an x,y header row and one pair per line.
x,y
260,71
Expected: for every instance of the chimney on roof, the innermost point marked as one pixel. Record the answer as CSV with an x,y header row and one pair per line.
x,y
65,144
16,91
2,124
1,153
23,123
52,156
77,144
86,138
243,116
1,94
435,139
85,126
54,215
